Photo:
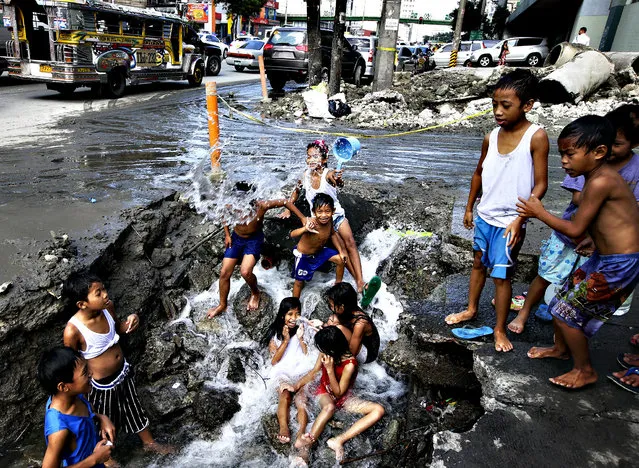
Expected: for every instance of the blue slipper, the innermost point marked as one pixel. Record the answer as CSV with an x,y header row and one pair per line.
x,y
469,333
543,314
625,386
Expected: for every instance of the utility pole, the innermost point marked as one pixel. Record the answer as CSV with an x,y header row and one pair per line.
x,y
385,54
286,12
457,35
339,26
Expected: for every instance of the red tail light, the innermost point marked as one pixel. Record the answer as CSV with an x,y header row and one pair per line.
x,y
268,46
371,54
302,47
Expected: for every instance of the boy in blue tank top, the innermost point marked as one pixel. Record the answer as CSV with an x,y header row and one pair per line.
x,y
69,422
513,165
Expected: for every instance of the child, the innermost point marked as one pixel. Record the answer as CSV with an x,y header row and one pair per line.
x,y
288,350
503,53
319,179
311,251
608,211
560,255
339,369
513,163
93,331
245,245
69,421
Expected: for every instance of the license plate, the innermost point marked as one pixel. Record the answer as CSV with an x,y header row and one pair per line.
x,y
283,55
45,68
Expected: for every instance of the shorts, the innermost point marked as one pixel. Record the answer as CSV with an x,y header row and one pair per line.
x,y
496,254
337,221
241,246
305,265
595,291
115,396
558,260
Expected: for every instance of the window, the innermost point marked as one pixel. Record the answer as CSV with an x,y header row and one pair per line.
x,y
447,48
253,45
132,27
108,23
363,45
529,41
153,29
464,47
284,37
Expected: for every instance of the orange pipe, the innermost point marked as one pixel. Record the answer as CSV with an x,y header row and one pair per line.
x,y
260,61
214,124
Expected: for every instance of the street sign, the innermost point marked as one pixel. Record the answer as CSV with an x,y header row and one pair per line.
x,y
391,24
476,36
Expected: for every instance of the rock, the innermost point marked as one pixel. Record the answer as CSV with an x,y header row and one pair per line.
x,y
271,428
236,372
4,287
50,258
165,397
426,115
215,406
255,322
161,257
443,89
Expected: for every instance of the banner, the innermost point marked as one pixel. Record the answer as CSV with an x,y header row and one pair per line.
x,y
197,12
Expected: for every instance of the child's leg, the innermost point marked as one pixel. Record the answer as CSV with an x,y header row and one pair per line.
x,y
477,281
228,264
246,270
302,413
558,351
535,294
346,234
298,285
283,406
325,415
372,412
503,292
339,267
582,372
150,445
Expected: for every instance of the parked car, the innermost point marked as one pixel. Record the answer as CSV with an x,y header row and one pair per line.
x,y
246,56
366,46
466,48
529,50
212,55
235,44
286,57
209,38
404,54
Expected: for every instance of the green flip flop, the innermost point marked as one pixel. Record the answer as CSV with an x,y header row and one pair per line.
x,y
369,291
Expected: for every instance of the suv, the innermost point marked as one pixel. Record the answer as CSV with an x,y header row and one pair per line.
x,y
529,50
366,46
209,38
466,48
286,57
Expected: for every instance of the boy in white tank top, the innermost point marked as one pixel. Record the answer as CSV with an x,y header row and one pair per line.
x,y
513,164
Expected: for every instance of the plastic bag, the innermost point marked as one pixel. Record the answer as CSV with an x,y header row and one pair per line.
x,y
317,104
338,108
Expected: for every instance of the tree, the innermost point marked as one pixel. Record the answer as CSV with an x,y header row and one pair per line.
x,y
473,18
498,23
339,26
313,41
243,7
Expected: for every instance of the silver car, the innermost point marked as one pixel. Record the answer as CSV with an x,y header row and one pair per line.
x,y
246,56
466,48
531,51
366,46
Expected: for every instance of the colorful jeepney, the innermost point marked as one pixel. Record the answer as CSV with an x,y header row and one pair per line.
x,y
72,43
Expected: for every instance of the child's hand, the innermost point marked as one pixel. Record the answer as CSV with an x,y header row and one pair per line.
x,y
468,220
286,387
132,323
102,451
586,247
344,257
286,333
227,242
338,177
513,232
300,332
311,225
284,214
328,362
316,324
107,429
530,208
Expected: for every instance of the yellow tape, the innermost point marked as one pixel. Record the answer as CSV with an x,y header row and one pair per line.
x,y
387,49
361,135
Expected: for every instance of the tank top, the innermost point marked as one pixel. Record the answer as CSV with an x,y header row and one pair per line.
x,y
504,178
325,382
324,187
97,343
82,427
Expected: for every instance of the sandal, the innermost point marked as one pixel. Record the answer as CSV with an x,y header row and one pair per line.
x,y
516,303
625,386
469,333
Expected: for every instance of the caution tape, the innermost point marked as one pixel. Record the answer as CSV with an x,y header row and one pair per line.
x,y
361,135
387,49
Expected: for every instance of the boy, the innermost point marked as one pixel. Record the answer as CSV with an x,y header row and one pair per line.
x,y
561,255
93,331
311,251
245,245
513,163
69,421
608,211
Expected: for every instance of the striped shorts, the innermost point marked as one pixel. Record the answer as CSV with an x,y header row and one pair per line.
x,y
116,397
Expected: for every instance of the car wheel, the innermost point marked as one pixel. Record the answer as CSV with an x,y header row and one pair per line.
x,y
198,75
277,82
239,68
213,65
358,74
225,53
468,63
533,60
115,85
485,61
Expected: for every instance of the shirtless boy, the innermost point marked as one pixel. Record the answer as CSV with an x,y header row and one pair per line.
x,y
95,331
245,245
608,212
311,251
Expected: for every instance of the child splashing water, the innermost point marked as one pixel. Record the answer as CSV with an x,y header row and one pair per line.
x,y
285,340
339,370
319,179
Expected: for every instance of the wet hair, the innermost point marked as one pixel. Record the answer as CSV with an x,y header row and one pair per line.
x,y
523,82
343,294
584,29
331,341
275,329
322,199
320,145
589,132
244,186
55,366
76,287
625,119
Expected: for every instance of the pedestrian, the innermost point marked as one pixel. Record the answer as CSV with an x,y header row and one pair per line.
x,y
582,38
502,54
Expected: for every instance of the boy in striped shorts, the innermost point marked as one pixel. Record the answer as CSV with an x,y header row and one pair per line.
x,y
94,332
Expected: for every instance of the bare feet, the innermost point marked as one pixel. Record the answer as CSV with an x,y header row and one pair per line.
x,y
462,316
161,449
360,286
518,324
575,379
254,301
502,343
214,312
631,359
306,440
634,340
337,447
632,379
538,352
284,438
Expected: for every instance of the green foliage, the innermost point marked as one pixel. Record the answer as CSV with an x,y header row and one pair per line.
x,y
243,7
473,18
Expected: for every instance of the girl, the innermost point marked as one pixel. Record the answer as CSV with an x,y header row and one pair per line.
x,y
339,369
342,301
319,179
287,347
502,54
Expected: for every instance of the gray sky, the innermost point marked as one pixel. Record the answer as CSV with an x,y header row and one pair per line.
x,y
440,8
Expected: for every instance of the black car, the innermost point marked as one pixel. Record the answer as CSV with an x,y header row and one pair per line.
x,y
212,54
286,57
